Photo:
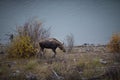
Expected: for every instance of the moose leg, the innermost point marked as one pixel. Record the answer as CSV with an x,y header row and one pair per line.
x,y
54,50
42,52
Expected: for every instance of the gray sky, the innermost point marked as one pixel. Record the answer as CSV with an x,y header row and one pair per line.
x,y
90,21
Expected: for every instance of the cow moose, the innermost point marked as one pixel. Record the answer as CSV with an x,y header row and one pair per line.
x,y
51,43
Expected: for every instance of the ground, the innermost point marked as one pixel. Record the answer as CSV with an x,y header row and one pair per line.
x,y
83,63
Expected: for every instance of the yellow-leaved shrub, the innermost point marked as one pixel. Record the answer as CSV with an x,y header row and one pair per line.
x,y
21,47
114,44
114,47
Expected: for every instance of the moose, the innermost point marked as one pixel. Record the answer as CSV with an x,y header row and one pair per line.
x,y
51,43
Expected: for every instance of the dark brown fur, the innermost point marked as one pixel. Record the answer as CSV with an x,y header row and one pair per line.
x,y
51,43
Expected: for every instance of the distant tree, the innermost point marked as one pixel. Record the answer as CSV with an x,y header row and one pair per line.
x,y
69,42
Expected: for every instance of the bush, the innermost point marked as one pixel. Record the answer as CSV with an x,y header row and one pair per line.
x,y
25,42
114,46
21,46
69,42
35,30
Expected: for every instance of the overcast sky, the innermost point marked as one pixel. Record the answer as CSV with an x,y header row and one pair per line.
x,y
90,21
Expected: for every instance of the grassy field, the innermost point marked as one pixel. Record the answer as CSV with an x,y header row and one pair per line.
x,y
83,63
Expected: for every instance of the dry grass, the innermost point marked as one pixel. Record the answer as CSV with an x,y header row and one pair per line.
x,y
72,66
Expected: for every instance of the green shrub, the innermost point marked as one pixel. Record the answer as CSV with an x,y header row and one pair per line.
x,y
21,46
